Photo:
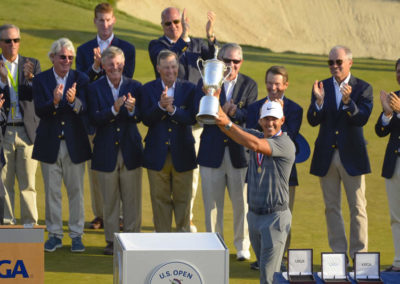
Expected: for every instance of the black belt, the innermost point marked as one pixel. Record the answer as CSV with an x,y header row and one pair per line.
x,y
15,124
265,211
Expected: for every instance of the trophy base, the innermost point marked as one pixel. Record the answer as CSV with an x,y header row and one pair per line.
x,y
206,118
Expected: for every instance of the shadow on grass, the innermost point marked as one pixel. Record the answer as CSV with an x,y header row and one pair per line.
x,y
92,261
241,269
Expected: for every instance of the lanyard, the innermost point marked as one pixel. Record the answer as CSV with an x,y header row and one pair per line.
x,y
13,83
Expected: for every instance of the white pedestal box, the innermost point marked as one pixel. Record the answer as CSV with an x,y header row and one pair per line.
x,y
177,258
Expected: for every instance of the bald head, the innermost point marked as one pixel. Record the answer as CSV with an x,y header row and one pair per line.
x,y
171,23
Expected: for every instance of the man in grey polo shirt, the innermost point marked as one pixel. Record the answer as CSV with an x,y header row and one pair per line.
x,y
271,160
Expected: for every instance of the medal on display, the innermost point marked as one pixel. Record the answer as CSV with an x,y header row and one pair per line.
x,y
260,157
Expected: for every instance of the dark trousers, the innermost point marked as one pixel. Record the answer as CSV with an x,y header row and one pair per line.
x,y
1,210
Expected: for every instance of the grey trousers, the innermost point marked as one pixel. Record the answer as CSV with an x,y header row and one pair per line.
x,y
268,235
72,174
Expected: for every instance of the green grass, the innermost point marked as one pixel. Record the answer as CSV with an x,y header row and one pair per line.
x,y
42,22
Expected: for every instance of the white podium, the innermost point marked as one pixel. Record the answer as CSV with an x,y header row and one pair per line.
x,y
156,258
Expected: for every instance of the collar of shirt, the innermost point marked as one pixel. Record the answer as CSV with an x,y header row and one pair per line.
x,y
228,87
172,42
14,62
280,98
115,91
60,80
171,91
337,87
103,44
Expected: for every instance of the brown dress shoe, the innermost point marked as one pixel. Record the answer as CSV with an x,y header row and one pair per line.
x,y
109,249
97,223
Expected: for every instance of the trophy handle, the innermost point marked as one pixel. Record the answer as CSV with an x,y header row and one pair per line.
x,y
230,70
198,66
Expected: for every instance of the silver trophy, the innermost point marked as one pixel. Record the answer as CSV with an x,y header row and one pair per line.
x,y
213,77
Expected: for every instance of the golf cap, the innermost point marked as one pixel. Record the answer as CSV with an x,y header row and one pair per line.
x,y
273,109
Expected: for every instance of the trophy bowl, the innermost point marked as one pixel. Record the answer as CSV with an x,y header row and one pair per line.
x,y
213,77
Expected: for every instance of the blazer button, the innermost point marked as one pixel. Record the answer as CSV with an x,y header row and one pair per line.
x,y
54,113
349,113
60,136
116,143
135,117
225,140
118,130
382,128
166,143
169,130
62,123
337,132
333,146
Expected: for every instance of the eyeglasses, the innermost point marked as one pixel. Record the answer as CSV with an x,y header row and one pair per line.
x,y
228,60
63,57
170,23
9,40
338,62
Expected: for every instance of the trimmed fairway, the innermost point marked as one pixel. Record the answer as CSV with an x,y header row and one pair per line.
x,y
42,22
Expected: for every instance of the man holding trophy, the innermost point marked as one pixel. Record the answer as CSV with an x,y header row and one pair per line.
x,y
222,161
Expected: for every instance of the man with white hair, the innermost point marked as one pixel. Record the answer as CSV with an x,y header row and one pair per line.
x,y
61,144
272,155
341,105
16,74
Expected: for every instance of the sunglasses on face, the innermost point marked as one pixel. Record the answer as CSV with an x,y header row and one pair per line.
x,y
9,40
167,24
63,57
338,62
228,60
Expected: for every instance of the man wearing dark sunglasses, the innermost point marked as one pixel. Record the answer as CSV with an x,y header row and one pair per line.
x,y
222,161
16,74
189,49
176,38
342,105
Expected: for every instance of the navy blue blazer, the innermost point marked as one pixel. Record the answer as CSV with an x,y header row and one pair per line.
x,y
169,132
392,149
25,98
342,129
63,122
213,140
293,118
188,53
114,132
84,58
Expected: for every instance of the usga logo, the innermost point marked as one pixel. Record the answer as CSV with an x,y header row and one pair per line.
x,y
176,272
10,270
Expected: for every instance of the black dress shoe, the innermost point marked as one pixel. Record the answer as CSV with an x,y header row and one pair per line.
x,y
96,224
254,265
392,269
109,249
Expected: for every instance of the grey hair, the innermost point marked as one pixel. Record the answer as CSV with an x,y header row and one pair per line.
x,y
164,12
8,27
347,51
111,52
165,53
60,44
227,47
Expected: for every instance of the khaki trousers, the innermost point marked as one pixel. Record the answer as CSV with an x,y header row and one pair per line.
x,y
170,192
121,186
19,164
213,183
393,194
72,174
354,187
